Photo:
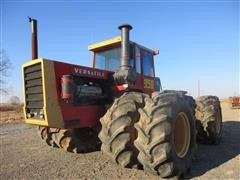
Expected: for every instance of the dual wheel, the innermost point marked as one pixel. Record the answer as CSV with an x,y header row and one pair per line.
x,y
157,133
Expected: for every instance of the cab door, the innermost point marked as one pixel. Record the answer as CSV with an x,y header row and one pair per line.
x,y
141,60
148,73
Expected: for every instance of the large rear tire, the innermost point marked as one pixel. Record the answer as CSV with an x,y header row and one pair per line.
x,y
209,120
118,132
166,135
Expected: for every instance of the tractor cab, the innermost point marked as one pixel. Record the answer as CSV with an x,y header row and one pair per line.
x,y
107,56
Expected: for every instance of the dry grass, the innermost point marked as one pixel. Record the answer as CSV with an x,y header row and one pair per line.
x,y
11,113
9,107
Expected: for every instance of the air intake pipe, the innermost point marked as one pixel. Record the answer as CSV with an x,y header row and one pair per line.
x,y
125,47
34,38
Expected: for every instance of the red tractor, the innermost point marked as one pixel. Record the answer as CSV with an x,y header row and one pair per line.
x,y
235,102
118,105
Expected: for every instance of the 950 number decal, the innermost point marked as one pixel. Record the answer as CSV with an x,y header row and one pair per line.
x,y
148,83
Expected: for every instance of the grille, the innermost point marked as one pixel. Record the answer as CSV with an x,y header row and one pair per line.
x,y
34,91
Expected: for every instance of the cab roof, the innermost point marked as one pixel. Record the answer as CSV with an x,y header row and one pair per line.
x,y
115,42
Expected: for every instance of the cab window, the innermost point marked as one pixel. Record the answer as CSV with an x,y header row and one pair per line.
x,y
147,63
132,60
108,60
138,59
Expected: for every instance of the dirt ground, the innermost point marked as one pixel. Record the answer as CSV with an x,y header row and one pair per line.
x,y
24,156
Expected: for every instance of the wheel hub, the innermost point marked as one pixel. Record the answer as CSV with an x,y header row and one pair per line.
x,y
181,135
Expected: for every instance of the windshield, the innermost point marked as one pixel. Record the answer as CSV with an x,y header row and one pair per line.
x,y
109,59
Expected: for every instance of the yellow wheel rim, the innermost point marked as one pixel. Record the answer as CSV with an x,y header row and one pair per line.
x,y
181,135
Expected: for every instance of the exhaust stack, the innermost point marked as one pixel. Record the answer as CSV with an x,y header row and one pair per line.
x,y
34,38
125,50
125,74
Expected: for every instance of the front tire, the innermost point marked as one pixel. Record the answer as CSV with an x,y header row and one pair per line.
x,y
166,135
79,140
45,136
118,132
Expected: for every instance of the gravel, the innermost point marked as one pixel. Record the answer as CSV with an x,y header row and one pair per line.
x,y
25,156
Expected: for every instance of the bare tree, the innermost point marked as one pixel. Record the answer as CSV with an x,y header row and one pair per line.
x,y
14,100
4,70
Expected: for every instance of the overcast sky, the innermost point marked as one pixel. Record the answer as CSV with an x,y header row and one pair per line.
x,y
198,40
